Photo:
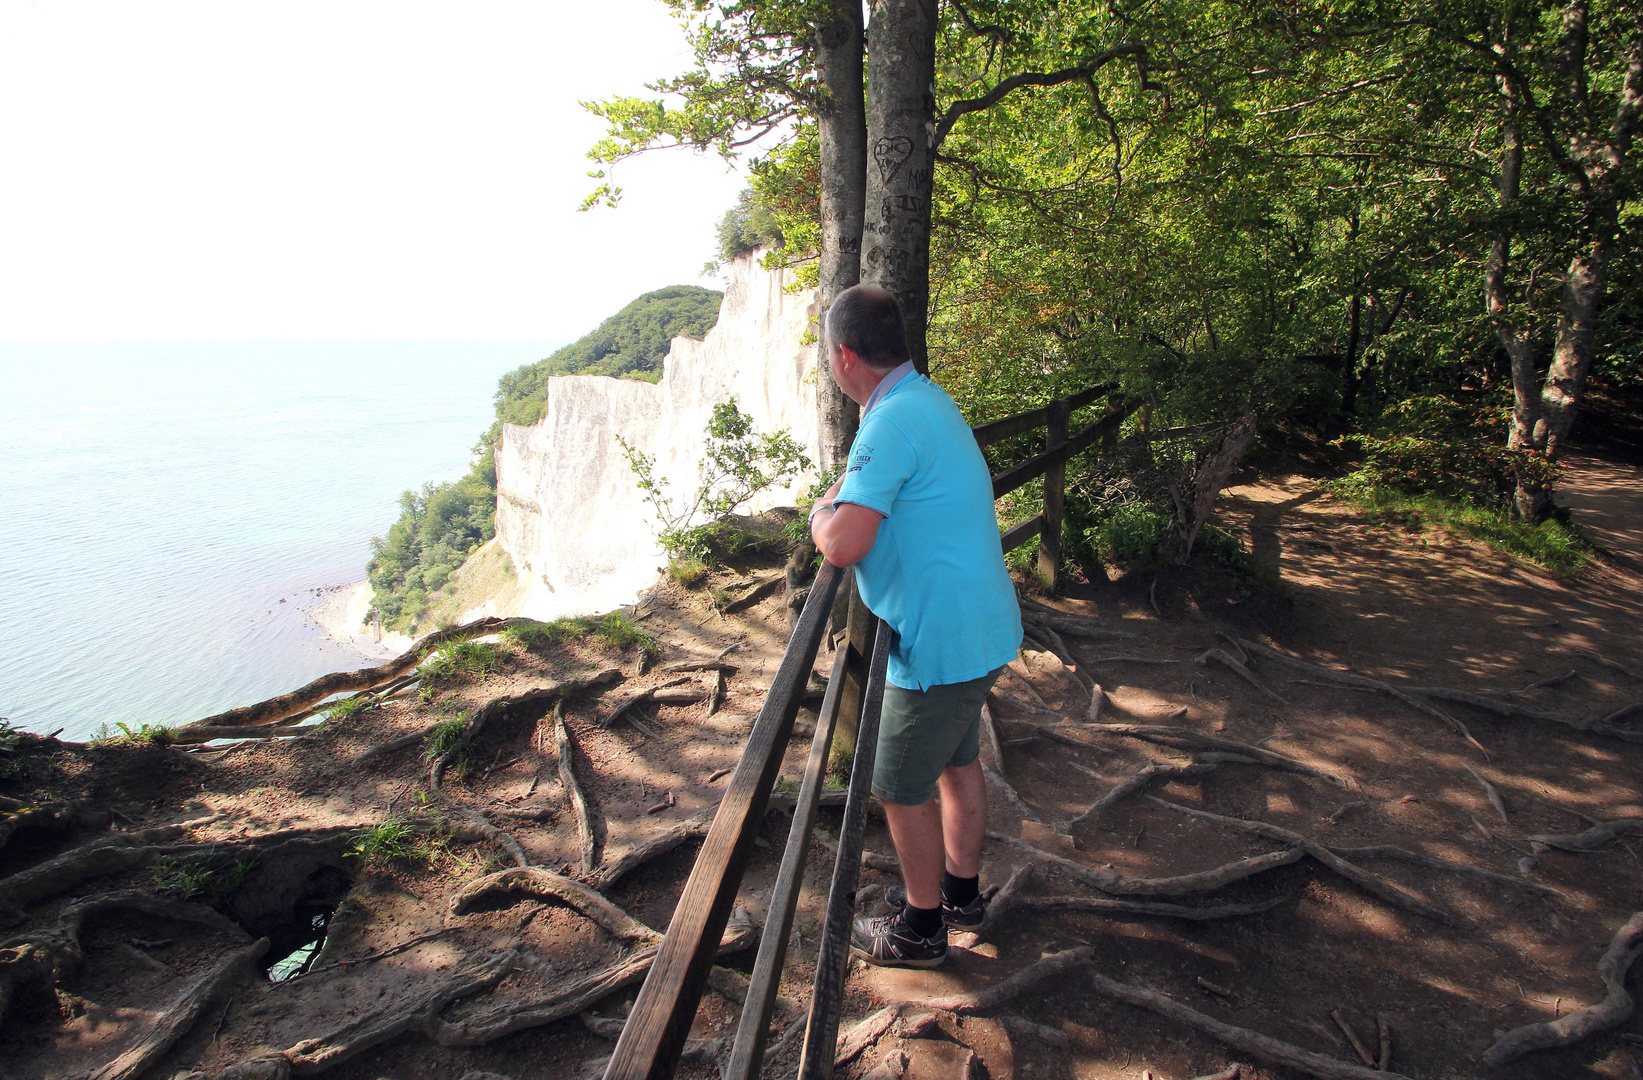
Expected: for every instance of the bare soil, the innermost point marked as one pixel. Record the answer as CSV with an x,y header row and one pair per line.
x,y
1411,608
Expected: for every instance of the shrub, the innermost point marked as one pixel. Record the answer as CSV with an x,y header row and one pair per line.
x,y
1128,536
739,463
1437,445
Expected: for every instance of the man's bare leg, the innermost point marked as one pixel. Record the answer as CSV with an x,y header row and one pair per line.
x,y
916,832
963,818
939,835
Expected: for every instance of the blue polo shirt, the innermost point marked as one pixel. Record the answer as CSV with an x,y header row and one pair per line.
x,y
936,570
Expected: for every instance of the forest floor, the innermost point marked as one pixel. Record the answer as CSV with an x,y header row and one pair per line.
x,y
425,975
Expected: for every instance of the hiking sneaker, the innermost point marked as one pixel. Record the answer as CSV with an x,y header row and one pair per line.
x,y
886,941
971,918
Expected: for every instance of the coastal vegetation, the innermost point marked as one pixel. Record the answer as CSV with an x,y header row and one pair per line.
x,y
442,524
1404,243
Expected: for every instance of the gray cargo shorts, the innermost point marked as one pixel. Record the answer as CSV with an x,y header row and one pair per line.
x,y
922,732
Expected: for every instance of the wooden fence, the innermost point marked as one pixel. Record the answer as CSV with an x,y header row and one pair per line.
x,y
661,1017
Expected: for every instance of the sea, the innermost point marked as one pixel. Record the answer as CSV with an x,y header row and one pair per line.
x,y
170,511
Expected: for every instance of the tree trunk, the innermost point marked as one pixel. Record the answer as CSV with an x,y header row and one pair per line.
x,y
901,108
1192,507
1566,380
841,129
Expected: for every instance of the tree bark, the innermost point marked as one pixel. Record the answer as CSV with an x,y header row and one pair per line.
x,y
901,108
841,129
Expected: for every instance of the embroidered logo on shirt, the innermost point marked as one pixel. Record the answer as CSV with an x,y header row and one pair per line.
x,y
861,457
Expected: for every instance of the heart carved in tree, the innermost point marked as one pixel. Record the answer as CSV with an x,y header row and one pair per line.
x,y
889,153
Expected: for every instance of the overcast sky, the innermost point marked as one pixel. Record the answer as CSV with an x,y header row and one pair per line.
x,y
343,169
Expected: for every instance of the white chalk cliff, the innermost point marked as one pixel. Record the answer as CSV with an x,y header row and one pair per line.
x,y
567,510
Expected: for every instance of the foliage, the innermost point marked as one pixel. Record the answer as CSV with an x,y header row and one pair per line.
x,y
630,344
1434,444
142,735
438,527
747,227
738,464
11,736
396,841
1553,545
688,572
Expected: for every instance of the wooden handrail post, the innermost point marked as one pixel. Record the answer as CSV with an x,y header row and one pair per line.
x,y
1055,498
860,630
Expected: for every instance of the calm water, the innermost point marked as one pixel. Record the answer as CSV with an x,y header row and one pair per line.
x,y
159,501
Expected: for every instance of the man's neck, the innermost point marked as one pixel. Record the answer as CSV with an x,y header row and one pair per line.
x,y
884,383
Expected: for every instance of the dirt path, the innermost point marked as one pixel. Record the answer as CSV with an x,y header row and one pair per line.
x,y
386,1001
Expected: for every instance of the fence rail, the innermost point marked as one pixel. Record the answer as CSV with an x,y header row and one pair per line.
x,y
654,1035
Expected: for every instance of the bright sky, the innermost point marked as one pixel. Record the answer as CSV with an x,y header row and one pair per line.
x,y
339,169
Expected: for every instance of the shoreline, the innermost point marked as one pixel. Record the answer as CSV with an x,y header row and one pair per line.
x,y
341,613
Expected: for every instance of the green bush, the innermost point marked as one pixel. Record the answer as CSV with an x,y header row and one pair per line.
x,y
1128,536
1436,445
613,628
738,464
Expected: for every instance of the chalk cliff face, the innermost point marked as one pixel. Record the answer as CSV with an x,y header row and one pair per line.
x,y
567,511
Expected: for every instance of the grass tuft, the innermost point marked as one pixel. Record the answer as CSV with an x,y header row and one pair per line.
x,y
396,841
614,629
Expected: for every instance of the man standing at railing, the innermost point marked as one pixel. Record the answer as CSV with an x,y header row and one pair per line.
x,y
913,513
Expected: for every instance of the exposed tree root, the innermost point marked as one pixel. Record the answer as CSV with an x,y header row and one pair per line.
x,y
870,860
1492,793
717,662
1250,1042
394,745
1388,851
1590,840
1373,883
31,963
1224,658
657,844
992,766
1513,711
610,1027
187,736
113,854
557,1003
573,790
1027,1029
536,881
1361,682
57,817
1059,650
1119,885
865,1033
759,591
1078,626
557,693
1152,774
421,1013
1141,907
1606,725
1184,738
1002,902
181,1017
1611,1012
471,822
1005,989
285,706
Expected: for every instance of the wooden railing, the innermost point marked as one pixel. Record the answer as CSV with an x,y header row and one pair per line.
x,y
661,1017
